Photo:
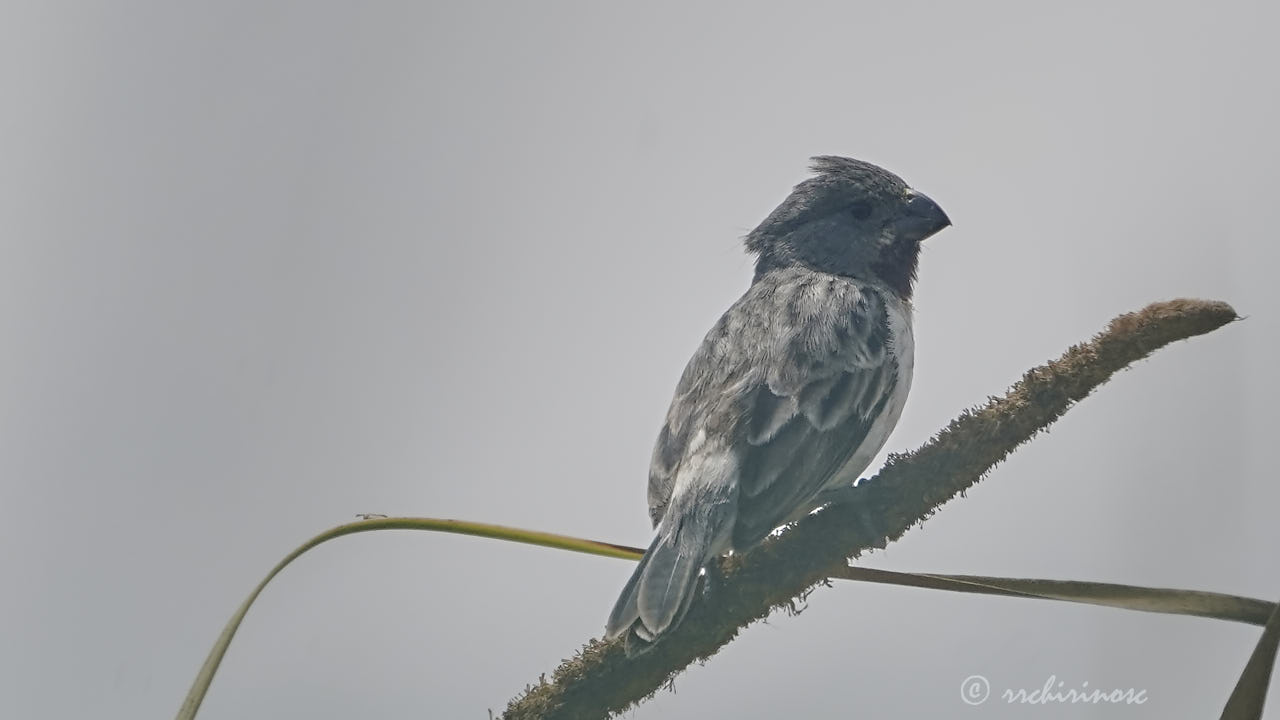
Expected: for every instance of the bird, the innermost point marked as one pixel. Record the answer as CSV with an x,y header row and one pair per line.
x,y
792,392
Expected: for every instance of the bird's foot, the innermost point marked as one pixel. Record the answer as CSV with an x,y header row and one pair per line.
x,y
852,497
712,579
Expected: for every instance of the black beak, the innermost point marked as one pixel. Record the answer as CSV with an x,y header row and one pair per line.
x,y
921,218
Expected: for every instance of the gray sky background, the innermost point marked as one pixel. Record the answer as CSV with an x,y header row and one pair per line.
x,y
264,266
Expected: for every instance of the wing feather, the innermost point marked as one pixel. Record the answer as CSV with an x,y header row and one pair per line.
x,y
793,376
834,369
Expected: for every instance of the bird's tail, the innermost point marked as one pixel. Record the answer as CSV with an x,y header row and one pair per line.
x,y
656,597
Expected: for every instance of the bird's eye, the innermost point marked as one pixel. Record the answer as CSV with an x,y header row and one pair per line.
x,y
861,210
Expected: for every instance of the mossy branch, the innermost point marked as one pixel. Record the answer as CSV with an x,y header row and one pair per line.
x,y
600,680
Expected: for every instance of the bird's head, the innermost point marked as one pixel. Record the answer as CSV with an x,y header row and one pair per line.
x,y
851,218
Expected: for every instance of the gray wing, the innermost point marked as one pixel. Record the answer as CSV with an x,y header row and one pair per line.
x,y
716,384
712,384
829,379
795,373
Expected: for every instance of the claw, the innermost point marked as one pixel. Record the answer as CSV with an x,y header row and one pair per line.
x,y
868,524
